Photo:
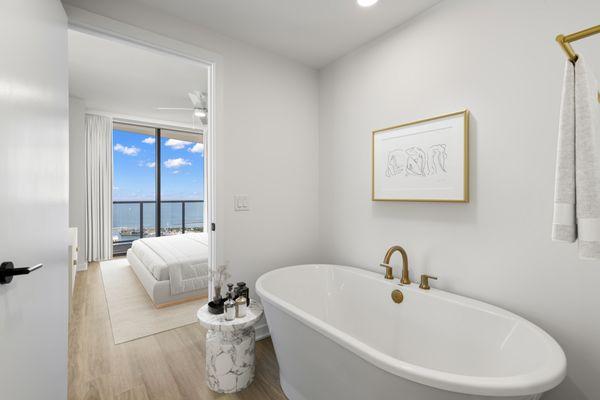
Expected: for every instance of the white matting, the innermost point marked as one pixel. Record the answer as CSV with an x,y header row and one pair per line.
x,y
132,313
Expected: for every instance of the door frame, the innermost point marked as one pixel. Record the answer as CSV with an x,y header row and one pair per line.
x,y
95,24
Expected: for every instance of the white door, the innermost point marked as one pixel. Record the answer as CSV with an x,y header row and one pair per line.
x,y
34,198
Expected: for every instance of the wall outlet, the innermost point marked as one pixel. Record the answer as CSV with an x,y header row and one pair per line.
x,y
240,203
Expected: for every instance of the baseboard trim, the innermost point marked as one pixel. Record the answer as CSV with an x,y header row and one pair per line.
x,y
262,330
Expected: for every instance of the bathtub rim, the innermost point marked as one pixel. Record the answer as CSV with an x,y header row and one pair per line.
x,y
534,382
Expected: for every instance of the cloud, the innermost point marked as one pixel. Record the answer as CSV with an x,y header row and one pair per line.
x,y
176,162
146,163
176,144
175,172
149,140
197,148
128,151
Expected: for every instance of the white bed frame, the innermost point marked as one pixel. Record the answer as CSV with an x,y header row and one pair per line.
x,y
160,291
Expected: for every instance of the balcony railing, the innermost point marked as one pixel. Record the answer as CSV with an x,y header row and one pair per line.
x,y
136,219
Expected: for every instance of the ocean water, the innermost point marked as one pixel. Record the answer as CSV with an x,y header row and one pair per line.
x,y
126,217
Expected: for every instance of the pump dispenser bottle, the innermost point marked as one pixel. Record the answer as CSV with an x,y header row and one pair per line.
x,y
229,306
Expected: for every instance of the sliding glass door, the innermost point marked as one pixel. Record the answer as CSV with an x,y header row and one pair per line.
x,y
134,185
156,166
181,182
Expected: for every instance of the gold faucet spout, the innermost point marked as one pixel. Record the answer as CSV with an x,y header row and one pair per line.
x,y
405,279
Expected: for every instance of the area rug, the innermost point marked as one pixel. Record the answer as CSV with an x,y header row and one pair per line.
x,y
132,313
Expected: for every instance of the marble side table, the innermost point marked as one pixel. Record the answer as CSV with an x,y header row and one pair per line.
x,y
230,349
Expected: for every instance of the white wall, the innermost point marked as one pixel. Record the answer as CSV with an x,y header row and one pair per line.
x,y
77,175
34,202
267,145
499,60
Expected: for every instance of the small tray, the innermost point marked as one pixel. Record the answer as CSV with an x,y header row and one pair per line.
x,y
215,308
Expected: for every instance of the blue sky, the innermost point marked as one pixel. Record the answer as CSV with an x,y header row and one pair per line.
x,y
134,168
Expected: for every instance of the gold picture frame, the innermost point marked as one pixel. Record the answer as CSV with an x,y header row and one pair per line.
x,y
460,190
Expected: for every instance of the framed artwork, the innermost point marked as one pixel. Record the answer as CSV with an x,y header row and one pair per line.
x,y
426,160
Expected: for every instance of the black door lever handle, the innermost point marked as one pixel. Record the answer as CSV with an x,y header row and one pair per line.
x,y
8,270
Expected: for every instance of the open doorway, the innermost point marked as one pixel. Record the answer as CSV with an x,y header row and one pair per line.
x,y
156,166
140,184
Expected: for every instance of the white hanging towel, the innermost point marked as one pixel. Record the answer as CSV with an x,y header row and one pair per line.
x,y
577,190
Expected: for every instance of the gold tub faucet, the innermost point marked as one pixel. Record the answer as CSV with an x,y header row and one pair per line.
x,y
405,280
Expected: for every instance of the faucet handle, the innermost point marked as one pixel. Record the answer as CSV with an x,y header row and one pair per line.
x,y
388,270
425,281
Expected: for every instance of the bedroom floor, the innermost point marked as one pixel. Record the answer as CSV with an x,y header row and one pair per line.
x,y
165,366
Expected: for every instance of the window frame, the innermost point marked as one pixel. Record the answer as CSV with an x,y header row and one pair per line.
x,y
120,247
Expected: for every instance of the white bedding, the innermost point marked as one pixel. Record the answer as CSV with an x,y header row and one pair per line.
x,y
180,259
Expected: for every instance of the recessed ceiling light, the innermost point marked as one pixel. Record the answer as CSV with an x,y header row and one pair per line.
x,y
366,3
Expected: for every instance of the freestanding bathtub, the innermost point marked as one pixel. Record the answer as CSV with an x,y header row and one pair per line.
x,y
338,335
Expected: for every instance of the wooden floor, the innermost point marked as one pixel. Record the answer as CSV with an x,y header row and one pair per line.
x,y
165,366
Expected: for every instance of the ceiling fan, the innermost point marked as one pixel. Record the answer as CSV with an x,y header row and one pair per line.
x,y
199,108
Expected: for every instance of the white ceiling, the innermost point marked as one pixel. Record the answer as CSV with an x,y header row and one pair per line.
x,y
124,79
314,32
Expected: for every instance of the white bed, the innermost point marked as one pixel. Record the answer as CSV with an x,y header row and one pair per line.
x,y
172,269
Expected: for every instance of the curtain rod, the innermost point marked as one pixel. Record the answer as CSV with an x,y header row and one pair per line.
x,y
564,41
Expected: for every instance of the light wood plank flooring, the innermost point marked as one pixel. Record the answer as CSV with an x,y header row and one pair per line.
x,y
165,366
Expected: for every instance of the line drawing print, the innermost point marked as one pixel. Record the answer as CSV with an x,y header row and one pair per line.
x,y
416,164
414,161
437,159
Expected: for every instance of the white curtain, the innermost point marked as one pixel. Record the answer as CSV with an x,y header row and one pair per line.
x,y
99,175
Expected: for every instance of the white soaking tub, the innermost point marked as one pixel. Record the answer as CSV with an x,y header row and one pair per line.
x,y
338,335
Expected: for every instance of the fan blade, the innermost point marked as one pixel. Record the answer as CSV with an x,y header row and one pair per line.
x,y
174,108
195,99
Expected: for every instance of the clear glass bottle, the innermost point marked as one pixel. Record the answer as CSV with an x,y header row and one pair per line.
x,y
240,306
229,306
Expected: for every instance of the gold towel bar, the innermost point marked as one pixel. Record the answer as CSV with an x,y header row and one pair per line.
x,y
565,42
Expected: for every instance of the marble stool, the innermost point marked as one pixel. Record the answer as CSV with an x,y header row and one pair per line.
x,y
230,349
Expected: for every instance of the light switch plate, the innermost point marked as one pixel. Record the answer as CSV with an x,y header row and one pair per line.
x,y
240,202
